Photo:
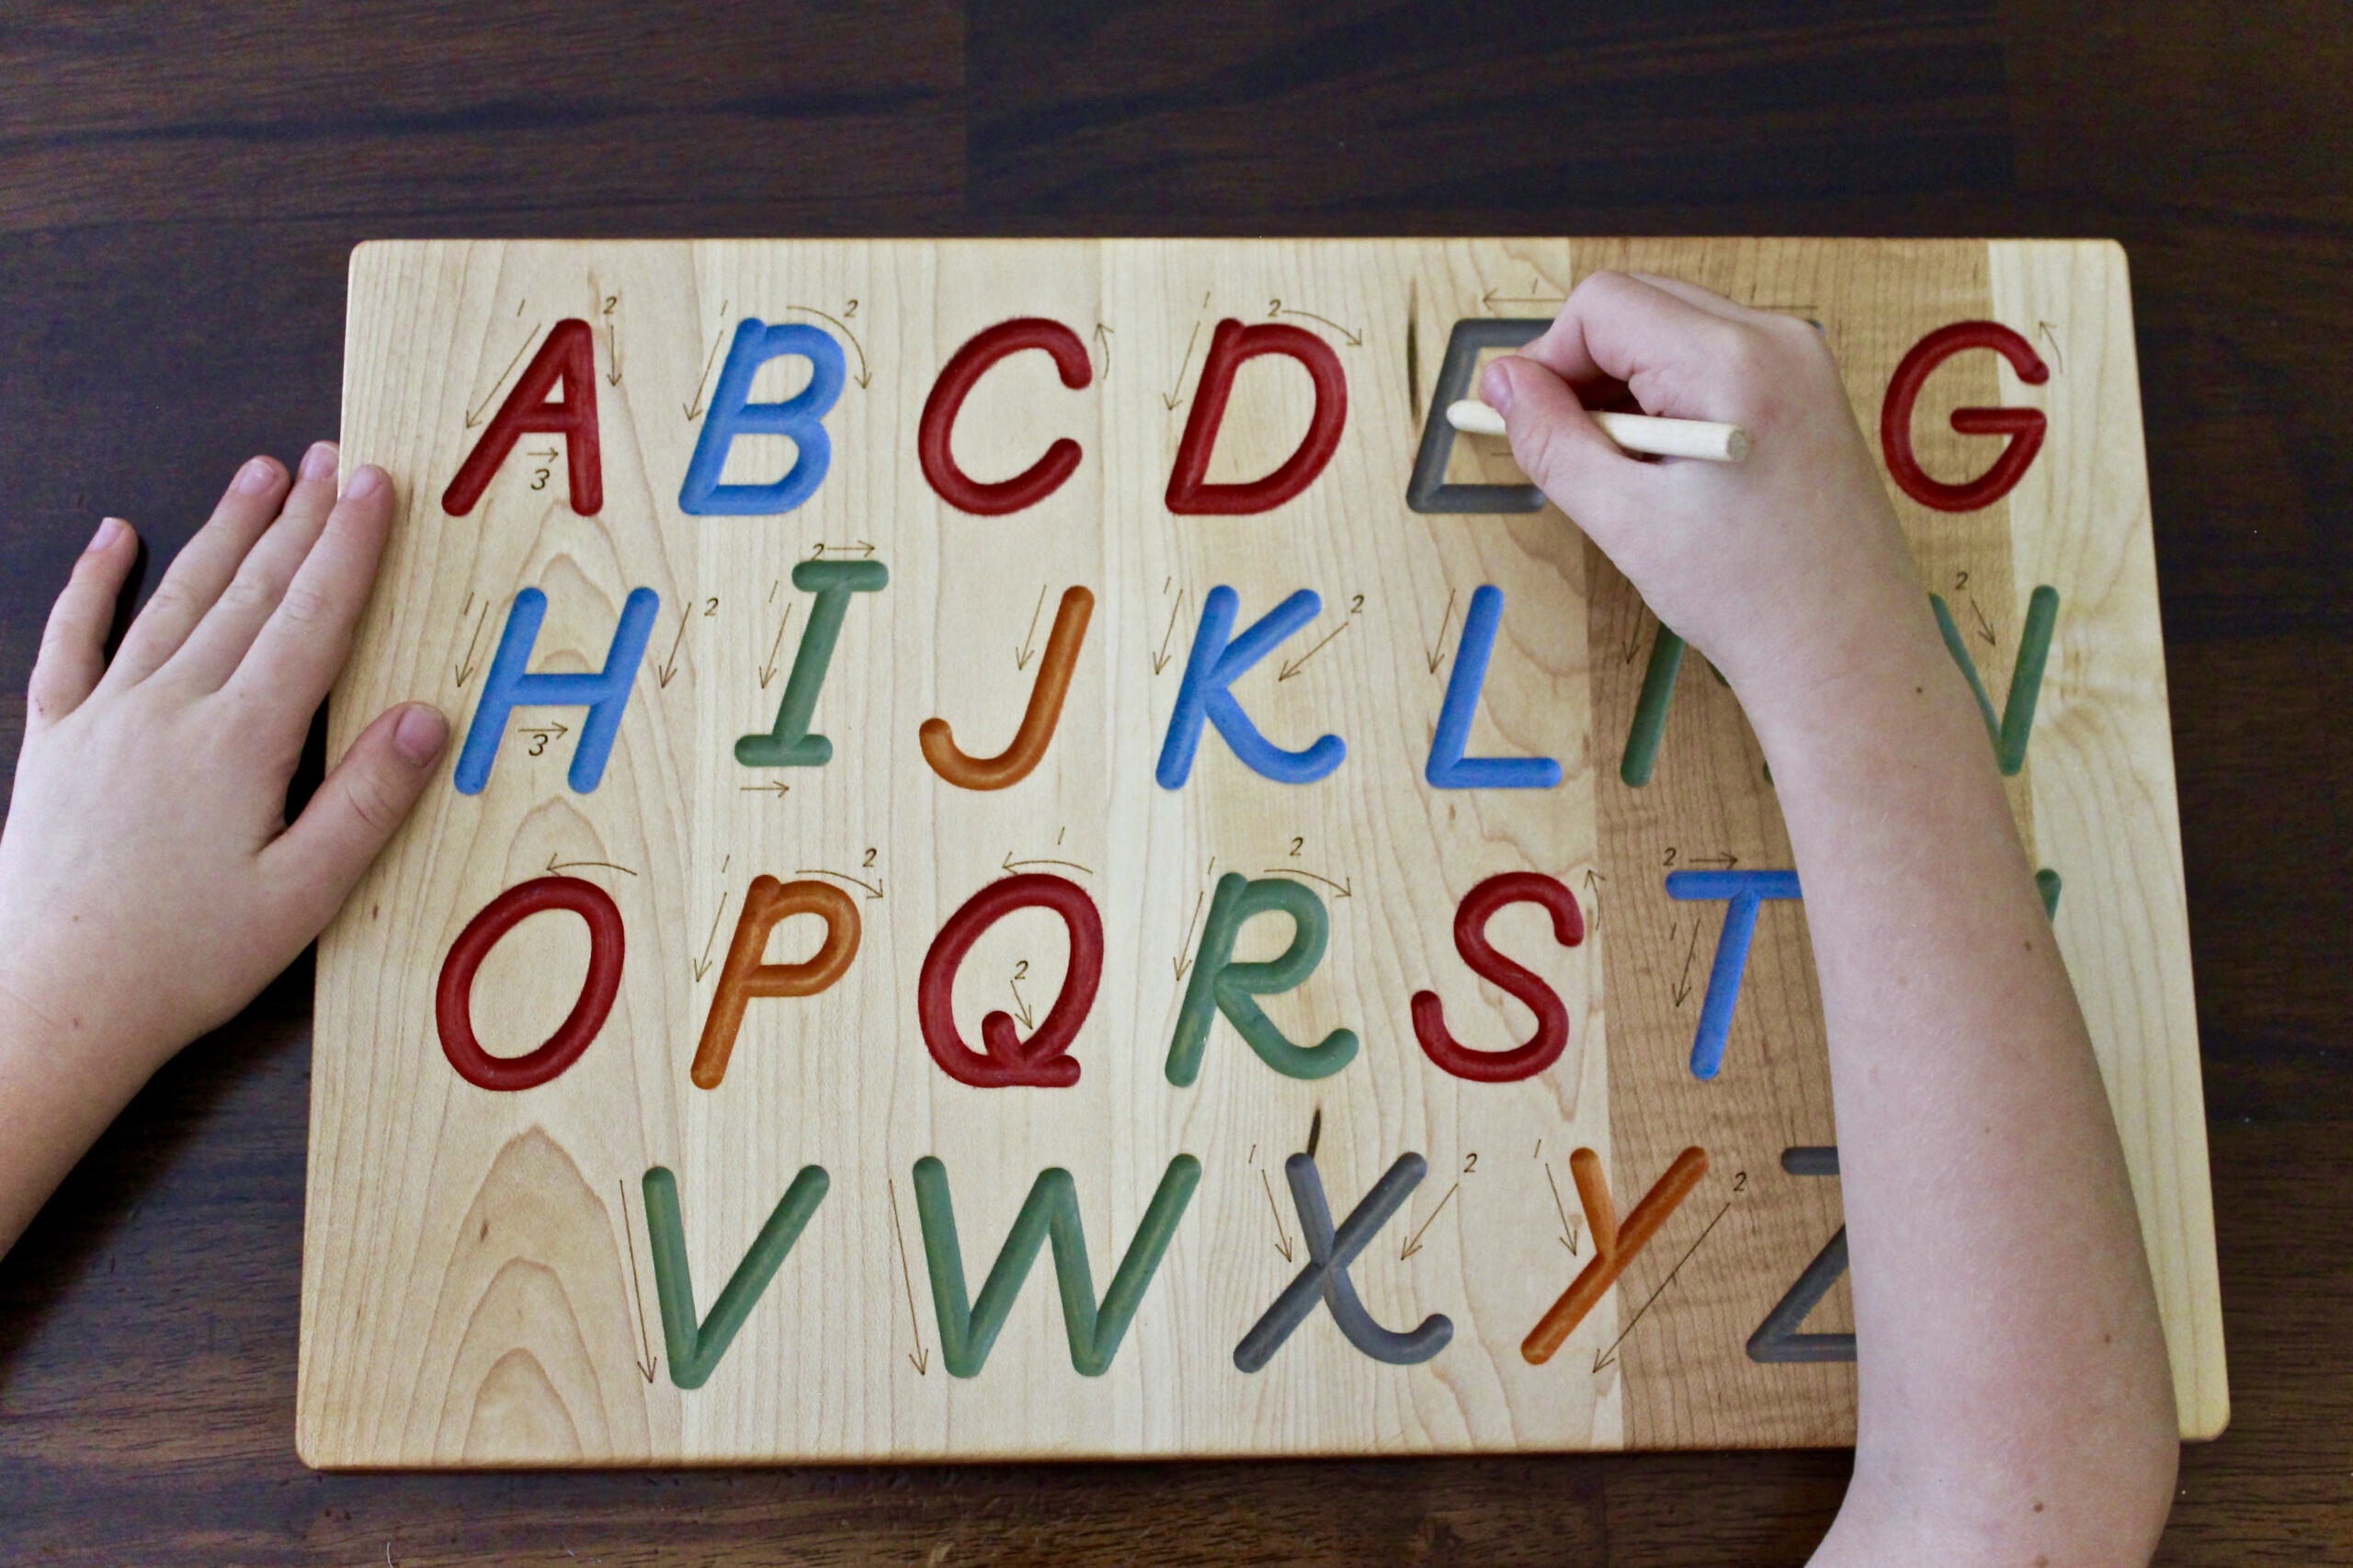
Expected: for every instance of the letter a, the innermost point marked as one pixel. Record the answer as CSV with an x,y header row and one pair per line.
x,y
605,694
568,356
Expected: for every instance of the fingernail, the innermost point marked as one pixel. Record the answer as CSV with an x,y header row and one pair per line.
x,y
420,734
1494,386
109,530
257,476
365,480
319,462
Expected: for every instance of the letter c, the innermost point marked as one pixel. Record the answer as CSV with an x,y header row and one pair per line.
x,y
956,379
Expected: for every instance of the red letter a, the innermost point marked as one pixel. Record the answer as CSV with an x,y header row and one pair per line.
x,y
570,355
1230,345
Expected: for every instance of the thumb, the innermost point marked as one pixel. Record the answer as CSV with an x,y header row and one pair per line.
x,y
358,807
1557,444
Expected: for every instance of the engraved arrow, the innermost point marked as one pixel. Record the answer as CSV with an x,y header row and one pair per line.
x,y
874,890
555,865
473,414
1568,1237
693,410
1414,1242
1355,340
663,672
1103,336
1344,889
465,670
1604,1356
1028,651
864,375
1011,865
1160,660
1683,985
1490,299
702,965
1433,655
1292,667
1184,961
646,1364
767,670
920,1358
1282,1236
1175,393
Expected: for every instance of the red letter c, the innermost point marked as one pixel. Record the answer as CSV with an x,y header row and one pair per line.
x,y
956,378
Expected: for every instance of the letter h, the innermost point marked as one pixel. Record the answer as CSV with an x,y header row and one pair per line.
x,y
605,694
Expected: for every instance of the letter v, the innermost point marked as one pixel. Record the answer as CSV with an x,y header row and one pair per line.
x,y
695,1349
2011,732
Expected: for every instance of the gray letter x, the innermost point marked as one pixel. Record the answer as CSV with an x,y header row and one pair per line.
x,y
1329,1252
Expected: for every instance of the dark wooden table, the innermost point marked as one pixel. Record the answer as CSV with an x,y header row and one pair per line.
x,y
178,189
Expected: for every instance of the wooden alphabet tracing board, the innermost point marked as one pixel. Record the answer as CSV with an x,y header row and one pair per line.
x,y
1039,860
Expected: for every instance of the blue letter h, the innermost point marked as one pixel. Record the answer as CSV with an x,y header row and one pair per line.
x,y
605,694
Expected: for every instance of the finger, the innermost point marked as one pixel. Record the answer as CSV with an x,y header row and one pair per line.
x,y
201,571
361,801
74,644
1557,444
1692,294
299,650
219,641
1671,353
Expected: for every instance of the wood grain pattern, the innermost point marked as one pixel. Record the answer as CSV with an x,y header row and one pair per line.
x,y
471,1262
148,1341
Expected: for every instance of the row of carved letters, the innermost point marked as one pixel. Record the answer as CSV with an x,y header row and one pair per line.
x,y
968,1327
568,359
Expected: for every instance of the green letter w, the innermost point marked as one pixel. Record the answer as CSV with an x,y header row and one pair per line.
x,y
967,1332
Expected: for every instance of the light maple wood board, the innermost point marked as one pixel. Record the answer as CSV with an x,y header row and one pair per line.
x,y
479,1284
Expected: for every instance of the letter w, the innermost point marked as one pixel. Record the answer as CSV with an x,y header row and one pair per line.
x,y
968,1331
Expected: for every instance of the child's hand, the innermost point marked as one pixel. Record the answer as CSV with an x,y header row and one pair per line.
x,y
1782,568
150,884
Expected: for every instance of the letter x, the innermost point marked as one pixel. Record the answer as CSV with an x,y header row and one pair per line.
x,y
1325,1278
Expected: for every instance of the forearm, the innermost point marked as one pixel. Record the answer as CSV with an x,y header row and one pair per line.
x,y
59,1088
2015,1393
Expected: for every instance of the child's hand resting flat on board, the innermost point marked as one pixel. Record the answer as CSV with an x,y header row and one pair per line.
x,y
2016,1400
150,885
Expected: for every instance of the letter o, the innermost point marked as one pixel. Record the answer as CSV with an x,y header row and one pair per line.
x,y
453,1001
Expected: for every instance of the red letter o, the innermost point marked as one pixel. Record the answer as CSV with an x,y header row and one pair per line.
x,y
453,1001
2023,425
